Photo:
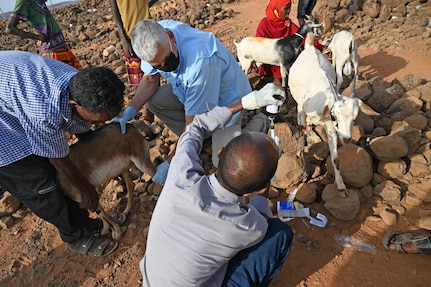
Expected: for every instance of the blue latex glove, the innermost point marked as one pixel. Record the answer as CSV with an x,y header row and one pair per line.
x,y
161,173
127,115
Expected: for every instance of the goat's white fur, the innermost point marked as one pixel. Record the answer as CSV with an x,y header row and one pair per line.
x,y
259,50
105,154
344,56
312,85
263,50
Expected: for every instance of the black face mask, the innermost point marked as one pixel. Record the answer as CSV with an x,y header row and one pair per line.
x,y
171,63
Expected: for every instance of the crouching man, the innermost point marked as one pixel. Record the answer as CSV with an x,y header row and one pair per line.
x,y
201,232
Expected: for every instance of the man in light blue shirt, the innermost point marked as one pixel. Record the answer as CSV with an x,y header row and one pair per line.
x,y
201,232
201,72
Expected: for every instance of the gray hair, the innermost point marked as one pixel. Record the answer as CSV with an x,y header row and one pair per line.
x,y
145,36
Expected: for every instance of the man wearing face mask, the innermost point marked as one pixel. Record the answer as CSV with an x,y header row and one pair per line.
x,y
201,73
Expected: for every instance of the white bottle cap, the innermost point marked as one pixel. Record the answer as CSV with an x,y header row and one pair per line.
x,y
273,109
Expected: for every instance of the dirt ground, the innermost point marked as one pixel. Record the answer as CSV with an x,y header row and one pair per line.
x,y
32,253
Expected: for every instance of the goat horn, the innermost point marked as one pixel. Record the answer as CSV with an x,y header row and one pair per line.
x,y
316,25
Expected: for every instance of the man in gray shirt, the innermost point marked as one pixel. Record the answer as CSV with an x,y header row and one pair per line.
x,y
201,232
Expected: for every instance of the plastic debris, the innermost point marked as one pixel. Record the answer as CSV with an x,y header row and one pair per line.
x,y
354,243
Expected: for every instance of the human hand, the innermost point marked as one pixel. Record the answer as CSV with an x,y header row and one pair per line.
x,y
123,118
128,50
270,94
161,173
41,38
89,200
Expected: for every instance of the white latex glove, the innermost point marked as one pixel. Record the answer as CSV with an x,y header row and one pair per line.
x,y
270,94
127,115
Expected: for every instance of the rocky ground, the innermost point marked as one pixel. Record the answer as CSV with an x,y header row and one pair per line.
x,y
388,179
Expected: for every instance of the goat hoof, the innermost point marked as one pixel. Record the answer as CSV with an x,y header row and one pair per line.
x,y
343,193
119,218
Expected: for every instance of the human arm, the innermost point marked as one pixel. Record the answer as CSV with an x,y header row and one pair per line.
x,y
125,40
12,28
301,12
219,116
89,195
144,92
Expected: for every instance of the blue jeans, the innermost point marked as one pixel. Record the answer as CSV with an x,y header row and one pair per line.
x,y
33,181
259,264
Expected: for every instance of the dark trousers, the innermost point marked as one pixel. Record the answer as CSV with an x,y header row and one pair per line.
x,y
33,181
258,265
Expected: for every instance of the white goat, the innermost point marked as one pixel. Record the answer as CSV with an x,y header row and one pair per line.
x,y
278,52
344,56
311,82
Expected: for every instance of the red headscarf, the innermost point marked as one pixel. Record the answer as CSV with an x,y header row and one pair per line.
x,y
273,9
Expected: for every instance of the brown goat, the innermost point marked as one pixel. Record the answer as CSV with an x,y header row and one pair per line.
x,y
105,154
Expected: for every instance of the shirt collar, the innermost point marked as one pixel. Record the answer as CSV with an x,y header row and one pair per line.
x,y
222,192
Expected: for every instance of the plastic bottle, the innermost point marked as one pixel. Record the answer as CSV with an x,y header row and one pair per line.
x,y
272,111
354,243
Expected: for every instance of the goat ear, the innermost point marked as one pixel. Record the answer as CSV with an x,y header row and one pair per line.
x,y
326,114
366,109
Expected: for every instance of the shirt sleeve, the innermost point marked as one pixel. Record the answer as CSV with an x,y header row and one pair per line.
x,y
147,68
21,10
186,168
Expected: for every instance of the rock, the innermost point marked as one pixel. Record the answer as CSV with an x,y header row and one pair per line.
x,y
355,164
343,208
8,204
290,171
417,121
425,219
108,50
421,190
388,191
409,82
6,222
366,122
371,8
389,148
407,104
423,92
412,199
389,217
392,169
411,135
419,169
307,192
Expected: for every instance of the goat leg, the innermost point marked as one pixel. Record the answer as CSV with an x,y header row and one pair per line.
x,y
108,223
130,190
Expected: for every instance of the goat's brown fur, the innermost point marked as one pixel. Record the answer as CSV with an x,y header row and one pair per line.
x,y
105,154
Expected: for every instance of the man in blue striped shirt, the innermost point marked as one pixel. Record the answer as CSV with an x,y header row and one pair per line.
x,y
40,100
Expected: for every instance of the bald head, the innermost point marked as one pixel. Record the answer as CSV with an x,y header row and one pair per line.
x,y
248,163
